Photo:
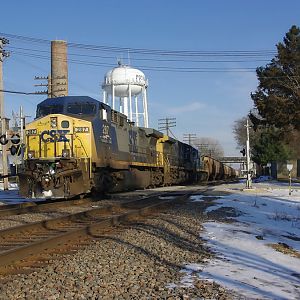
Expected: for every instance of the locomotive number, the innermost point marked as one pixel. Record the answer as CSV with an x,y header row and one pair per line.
x,y
81,129
31,131
51,136
105,130
105,138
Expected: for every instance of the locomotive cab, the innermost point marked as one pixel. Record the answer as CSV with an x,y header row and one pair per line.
x,y
58,148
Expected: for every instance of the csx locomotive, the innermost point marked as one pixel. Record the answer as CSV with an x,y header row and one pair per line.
x,y
77,145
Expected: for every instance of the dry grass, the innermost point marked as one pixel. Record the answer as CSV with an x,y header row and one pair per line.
x,y
286,249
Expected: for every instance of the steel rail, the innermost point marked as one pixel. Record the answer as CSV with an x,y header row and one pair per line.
x,y
43,205
38,206
60,232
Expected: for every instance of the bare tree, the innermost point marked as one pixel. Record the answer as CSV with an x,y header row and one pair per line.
x,y
240,132
209,146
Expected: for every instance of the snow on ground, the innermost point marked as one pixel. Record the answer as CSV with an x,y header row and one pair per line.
x,y
11,196
244,261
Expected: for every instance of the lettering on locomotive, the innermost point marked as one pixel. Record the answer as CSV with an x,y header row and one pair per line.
x,y
105,137
51,136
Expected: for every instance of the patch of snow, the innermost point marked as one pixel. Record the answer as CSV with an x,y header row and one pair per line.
x,y
244,261
11,186
201,198
167,197
11,196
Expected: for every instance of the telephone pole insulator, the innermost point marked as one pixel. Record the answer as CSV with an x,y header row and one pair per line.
x,y
189,138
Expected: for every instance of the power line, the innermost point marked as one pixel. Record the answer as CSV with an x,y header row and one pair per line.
x,y
157,68
152,68
145,58
151,55
147,51
21,93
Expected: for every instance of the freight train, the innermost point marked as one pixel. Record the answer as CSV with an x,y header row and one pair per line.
x,y
77,145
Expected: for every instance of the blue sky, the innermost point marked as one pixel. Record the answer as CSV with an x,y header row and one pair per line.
x,y
204,103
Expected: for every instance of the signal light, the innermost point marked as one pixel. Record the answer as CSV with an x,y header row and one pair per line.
x,y
15,150
243,152
65,153
3,139
31,154
15,139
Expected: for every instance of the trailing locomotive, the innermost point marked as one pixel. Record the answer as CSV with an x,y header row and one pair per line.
x,y
77,145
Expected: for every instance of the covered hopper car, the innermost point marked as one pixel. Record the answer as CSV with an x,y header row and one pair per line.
x,y
77,145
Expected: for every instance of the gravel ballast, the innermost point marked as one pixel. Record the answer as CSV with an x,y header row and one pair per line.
x,y
141,260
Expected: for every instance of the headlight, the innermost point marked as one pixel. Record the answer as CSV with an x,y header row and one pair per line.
x,y
53,122
30,154
65,153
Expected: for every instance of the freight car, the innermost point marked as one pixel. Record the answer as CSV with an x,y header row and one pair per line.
x,y
77,145
212,169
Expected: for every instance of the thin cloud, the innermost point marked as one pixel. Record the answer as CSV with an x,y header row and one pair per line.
x,y
194,106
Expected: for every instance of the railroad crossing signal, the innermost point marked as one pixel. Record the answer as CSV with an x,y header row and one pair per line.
x,y
15,140
243,152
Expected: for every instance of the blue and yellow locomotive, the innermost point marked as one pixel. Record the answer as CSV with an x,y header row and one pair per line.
x,y
77,145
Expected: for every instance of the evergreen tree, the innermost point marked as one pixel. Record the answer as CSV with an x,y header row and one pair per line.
x,y
277,97
267,146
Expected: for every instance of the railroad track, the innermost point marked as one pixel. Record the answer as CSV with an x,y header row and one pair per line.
x,y
24,246
39,206
53,204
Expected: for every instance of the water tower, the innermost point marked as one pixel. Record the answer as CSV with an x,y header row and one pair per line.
x,y
128,86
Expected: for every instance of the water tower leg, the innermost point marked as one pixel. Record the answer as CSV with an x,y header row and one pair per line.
x,y
113,96
136,111
120,106
130,103
145,108
125,106
104,97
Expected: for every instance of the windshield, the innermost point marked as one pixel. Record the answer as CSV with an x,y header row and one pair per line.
x,y
81,108
48,110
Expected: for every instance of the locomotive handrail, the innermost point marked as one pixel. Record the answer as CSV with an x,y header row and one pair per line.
x,y
76,136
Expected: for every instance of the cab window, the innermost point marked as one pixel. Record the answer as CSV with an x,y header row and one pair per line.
x,y
48,110
103,114
81,108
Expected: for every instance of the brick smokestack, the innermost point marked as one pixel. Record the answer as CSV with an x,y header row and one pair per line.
x,y
59,69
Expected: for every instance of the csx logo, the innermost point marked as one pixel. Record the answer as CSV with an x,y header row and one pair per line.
x,y
51,136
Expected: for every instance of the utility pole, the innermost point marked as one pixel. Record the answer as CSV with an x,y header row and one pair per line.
x,y
189,138
48,85
248,181
166,124
3,41
22,125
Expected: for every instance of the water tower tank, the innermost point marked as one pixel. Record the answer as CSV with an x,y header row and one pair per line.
x,y
121,77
